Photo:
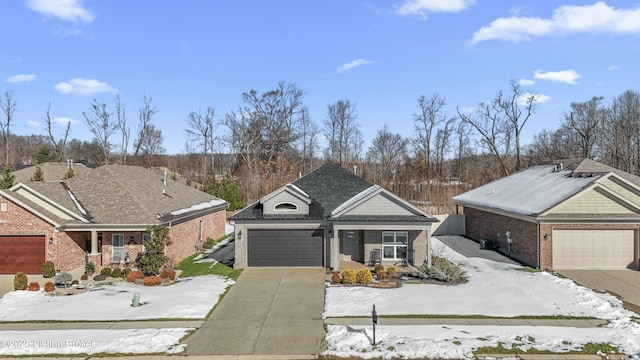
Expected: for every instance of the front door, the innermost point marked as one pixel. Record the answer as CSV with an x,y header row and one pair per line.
x,y
351,245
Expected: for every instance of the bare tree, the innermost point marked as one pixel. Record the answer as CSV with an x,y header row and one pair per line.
x,y
124,129
428,117
623,127
387,149
201,128
340,129
585,120
101,126
59,146
146,111
8,105
152,144
309,137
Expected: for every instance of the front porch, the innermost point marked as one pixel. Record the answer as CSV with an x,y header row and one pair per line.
x,y
110,248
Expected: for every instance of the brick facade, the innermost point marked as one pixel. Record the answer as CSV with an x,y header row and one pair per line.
x,y
524,234
67,249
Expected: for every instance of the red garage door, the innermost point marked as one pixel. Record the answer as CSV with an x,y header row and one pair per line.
x,y
21,253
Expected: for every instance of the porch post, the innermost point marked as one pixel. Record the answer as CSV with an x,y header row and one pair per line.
x,y
428,233
94,242
335,250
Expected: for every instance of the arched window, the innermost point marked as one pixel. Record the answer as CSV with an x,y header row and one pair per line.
x,y
286,206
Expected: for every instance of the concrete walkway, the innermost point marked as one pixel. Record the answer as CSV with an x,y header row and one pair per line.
x,y
470,248
359,321
625,284
109,325
268,311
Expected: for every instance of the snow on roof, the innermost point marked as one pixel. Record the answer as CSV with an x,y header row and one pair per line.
x,y
200,206
527,192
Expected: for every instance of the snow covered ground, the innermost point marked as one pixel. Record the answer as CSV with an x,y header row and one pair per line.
x,y
189,298
494,289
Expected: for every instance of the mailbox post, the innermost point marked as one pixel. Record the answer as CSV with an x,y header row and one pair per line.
x,y
374,319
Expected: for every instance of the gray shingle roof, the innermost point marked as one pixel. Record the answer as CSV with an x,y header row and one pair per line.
x,y
538,188
116,194
52,171
329,186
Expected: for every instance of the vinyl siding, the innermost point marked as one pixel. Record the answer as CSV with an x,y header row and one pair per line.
x,y
285,197
592,202
623,190
379,205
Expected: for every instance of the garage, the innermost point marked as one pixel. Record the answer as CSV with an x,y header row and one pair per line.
x,y
593,249
21,253
299,247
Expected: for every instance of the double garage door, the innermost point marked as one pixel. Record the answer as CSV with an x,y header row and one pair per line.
x,y
593,249
21,253
300,247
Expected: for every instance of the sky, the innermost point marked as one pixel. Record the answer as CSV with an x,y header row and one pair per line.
x,y
192,54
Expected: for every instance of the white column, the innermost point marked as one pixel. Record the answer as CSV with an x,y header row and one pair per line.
x,y
335,251
94,242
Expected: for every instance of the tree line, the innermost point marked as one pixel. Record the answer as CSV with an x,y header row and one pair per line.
x,y
270,139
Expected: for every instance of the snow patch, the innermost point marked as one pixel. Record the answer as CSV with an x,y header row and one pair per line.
x,y
200,206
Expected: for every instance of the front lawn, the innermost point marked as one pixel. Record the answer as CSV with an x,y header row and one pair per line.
x,y
194,266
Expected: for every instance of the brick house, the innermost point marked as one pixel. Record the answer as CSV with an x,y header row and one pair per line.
x,y
101,216
569,214
328,216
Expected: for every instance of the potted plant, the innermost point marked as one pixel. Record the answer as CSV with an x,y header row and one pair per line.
x,y
89,268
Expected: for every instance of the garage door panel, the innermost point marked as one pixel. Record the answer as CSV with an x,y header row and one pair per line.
x,y
21,253
267,247
605,249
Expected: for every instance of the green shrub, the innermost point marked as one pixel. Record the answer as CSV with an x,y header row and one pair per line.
x,y
209,243
442,270
20,281
392,271
125,272
48,269
153,259
349,277
89,267
63,279
378,267
116,272
364,277
105,271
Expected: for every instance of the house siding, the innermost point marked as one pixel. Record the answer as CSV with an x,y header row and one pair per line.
x,y
417,251
66,252
486,225
591,202
379,205
268,206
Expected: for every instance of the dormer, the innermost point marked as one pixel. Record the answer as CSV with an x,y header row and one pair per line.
x,y
288,200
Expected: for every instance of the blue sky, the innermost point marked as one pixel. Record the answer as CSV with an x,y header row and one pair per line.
x,y
382,55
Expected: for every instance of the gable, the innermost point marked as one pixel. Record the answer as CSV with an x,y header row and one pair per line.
x,y
595,200
379,204
277,204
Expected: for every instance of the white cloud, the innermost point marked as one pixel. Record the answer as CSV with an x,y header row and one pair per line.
x,y
81,86
33,124
20,78
613,67
69,10
565,76
63,121
538,98
65,32
351,65
566,19
423,7
526,82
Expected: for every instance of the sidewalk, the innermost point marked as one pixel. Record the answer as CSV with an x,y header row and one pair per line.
x,y
362,321
112,325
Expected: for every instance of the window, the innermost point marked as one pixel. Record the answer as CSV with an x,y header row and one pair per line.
x,y
117,240
3,206
394,245
286,207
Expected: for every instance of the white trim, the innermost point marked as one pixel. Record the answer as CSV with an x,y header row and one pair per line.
x,y
31,191
275,207
291,189
29,208
395,245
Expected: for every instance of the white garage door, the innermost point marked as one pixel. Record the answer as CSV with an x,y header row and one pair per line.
x,y
593,249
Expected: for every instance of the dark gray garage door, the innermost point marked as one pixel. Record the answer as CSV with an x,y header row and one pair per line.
x,y
285,247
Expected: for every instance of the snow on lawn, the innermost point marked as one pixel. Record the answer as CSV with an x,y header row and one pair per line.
x,y
190,298
494,289
89,341
446,342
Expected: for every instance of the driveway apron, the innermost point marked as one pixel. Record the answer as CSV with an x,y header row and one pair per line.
x,y
268,311
625,284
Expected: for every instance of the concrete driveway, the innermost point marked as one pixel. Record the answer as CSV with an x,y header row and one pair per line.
x,y
269,311
625,284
